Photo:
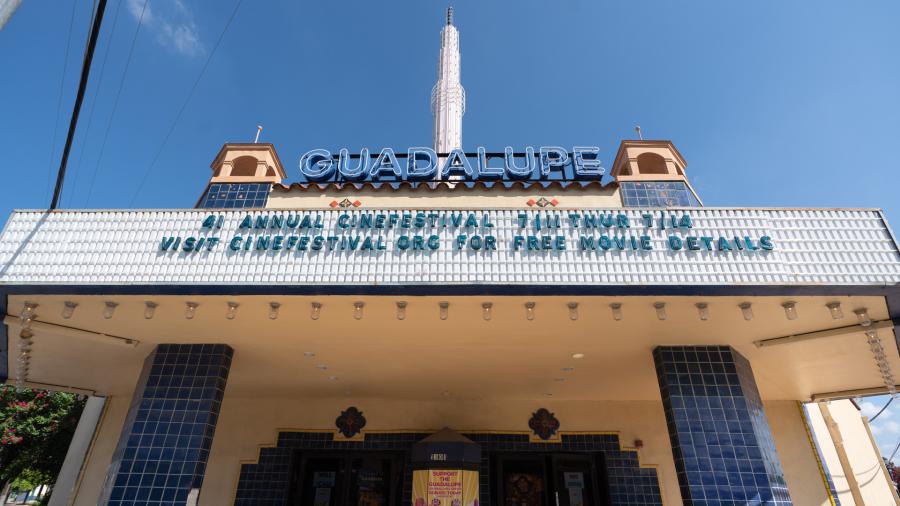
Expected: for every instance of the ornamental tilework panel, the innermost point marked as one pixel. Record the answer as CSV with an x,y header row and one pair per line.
x,y
723,447
267,483
163,450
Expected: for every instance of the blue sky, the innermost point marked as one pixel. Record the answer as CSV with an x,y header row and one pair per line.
x,y
772,103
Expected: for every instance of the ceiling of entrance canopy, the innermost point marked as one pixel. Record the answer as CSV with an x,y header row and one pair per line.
x,y
474,348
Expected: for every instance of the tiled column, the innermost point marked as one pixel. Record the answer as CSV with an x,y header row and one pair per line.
x,y
723,448
162,452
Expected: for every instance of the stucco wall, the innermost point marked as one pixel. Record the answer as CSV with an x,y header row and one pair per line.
x,y
862,467
458,198
246,424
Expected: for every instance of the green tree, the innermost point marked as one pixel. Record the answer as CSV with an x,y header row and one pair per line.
x,y
36,427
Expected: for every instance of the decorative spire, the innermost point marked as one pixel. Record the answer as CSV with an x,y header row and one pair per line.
x,y
448,98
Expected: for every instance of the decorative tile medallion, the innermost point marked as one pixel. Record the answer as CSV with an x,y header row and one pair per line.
x,y
350,422
544,424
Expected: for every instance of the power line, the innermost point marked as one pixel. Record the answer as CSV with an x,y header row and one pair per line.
x,y
891,458
184,105
62,82
79,98
115,103
90,120
888,403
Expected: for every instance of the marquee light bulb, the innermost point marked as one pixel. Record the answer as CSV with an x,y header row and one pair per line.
x,y
703,310
573,310
273,310
616,310
28,310
232,310
109,309
746,310
149,309
834,308
27,315
529,310
315,310
444,309
68,309
486,310
358,310
190,310
862,315
660,310
790,310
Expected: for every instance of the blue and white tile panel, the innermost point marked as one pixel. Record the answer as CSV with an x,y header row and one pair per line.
x,y
812,246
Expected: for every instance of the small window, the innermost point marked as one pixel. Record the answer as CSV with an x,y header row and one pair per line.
x,y
243,166
651,163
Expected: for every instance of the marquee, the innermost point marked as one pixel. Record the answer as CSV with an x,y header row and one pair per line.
x,y
698,246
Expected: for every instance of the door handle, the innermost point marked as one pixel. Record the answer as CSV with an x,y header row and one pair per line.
x,y
556,493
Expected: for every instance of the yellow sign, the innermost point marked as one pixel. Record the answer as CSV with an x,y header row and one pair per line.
x,y
445,487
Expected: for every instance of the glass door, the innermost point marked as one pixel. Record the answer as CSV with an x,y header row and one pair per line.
x,y
522,480
346,479
574,483
323,481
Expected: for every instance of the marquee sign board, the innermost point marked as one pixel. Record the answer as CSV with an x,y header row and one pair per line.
x,y
633,246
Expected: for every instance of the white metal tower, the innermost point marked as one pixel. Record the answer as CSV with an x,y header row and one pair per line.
x,y
448,98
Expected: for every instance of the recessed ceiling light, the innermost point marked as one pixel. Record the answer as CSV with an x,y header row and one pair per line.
x,y
332,378
577,355
322,366
309,354
548,394
568,369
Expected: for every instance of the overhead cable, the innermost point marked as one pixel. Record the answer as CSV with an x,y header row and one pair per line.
x,y
183,106
79,98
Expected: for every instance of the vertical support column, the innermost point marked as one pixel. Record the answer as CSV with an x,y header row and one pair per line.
x,y
69,474
721,441
163,450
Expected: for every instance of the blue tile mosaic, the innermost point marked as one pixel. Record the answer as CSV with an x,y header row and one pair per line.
x,y
657,194
267,483
165,443
723,448
235,195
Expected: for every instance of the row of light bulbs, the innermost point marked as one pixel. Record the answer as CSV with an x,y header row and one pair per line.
x,y
703,312
877,349
28,315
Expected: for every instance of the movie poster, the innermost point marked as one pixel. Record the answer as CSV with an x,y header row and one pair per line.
x,y
445,487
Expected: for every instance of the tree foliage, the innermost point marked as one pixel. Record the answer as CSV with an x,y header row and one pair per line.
x,y
36,427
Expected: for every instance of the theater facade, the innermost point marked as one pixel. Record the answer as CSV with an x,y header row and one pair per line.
x,y
593,342
439,327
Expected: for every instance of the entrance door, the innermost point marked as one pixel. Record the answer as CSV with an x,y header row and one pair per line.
x,y
548,480
346,479
574,479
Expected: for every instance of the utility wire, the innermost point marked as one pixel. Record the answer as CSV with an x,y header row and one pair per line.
x,y
891,458
888,403
115,103
184,105
90,120
79,98
62,82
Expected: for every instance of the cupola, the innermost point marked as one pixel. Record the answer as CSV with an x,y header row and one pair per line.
x,y
247,163
651,174
648,161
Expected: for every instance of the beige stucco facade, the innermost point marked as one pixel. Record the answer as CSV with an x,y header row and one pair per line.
x,y
247,424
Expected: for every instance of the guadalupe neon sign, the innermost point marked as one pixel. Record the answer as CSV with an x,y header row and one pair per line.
x,y
548,163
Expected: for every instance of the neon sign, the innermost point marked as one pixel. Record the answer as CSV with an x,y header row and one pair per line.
x,y
548,163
